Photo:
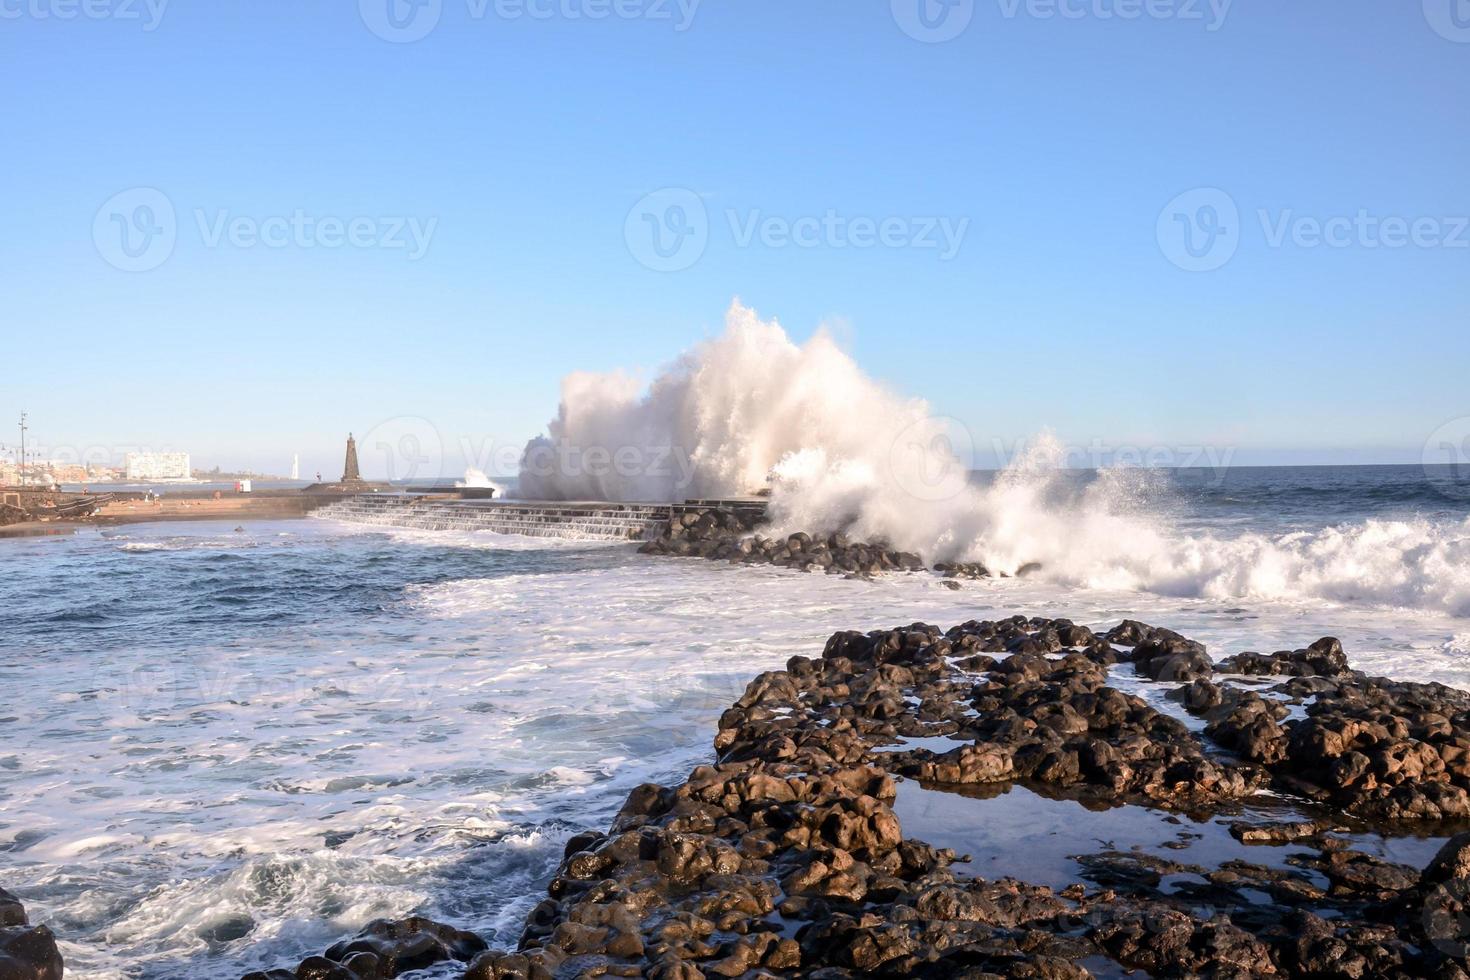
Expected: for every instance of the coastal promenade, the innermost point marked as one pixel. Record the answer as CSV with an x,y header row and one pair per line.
x,y
33,511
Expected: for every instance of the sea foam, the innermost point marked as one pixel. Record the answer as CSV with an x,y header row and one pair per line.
x,y
750,408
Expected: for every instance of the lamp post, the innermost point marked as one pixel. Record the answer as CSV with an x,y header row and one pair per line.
x,y
22,449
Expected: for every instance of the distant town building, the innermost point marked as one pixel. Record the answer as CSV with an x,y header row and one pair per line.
x,y
46,472
157,466
60,472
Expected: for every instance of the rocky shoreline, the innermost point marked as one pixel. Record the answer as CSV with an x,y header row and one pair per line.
x,y
27,952
1015,798
801,850
723,535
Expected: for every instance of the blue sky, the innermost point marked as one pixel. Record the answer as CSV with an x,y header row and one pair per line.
x,y
519,145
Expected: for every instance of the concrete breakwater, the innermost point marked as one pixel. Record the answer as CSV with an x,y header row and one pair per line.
x,y
580,520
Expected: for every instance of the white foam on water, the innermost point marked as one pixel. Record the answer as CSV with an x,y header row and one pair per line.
x,y
431,750
845,452
193,536
432,756
478,478
486,540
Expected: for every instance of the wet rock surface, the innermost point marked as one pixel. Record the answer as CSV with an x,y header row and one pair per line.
x,y
384,949
27,952
787,856
723,535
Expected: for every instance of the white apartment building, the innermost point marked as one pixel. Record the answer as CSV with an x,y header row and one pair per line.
x,y
157,466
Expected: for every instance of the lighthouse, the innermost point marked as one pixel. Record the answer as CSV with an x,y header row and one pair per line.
x,y
352,481
349,468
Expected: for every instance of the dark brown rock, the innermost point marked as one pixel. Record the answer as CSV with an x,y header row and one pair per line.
x,y
12,912
785,857
29,953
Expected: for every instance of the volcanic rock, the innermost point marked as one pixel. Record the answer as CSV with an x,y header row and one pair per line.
x,y
26,952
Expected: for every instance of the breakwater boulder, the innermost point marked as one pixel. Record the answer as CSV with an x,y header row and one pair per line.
x,y
723,535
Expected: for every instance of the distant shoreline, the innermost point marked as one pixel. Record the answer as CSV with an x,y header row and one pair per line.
x,y
232,508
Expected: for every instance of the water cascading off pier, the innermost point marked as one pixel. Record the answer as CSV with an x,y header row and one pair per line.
x,y
582,520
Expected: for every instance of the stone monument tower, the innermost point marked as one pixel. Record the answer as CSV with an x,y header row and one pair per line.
x,y
349,469
352,481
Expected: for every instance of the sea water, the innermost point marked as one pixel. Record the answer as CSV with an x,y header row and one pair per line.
x,y
223,750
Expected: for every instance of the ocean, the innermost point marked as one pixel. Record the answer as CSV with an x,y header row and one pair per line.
x,y
223,750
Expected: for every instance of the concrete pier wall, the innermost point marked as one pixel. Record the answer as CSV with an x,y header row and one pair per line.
x,y
581,520
587,521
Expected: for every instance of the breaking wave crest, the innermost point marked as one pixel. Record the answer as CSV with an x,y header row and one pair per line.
x,y
840,451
